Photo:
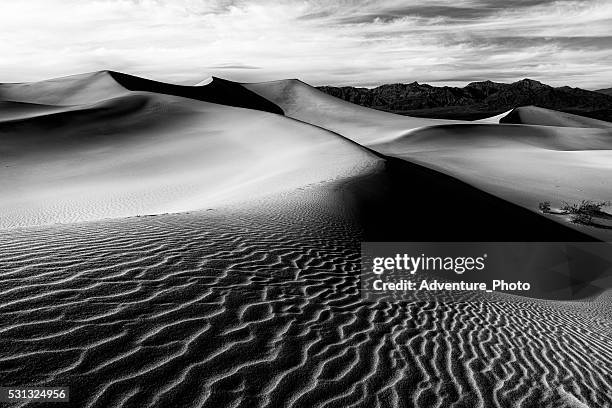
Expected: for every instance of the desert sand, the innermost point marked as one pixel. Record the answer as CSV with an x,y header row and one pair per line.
x,y
234,308
164,245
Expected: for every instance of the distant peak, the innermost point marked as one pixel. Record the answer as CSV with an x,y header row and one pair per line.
x,y
530,82
487,82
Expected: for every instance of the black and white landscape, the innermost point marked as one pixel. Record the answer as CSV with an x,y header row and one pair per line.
x,y
167,244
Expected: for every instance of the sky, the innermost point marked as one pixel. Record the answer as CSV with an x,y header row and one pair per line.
x,y
342,42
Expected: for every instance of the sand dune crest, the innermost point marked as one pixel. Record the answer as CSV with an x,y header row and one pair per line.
x,y
363,125
533,115
71,90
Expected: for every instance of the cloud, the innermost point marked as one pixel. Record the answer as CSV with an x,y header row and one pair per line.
x,y
233,66
342,42
453,13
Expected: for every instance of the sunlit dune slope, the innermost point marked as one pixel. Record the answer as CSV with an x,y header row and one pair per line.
x,y
71,90
363,125
493,119
533,115
143,153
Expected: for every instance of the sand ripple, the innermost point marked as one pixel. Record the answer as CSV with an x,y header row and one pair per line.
x,y
244,309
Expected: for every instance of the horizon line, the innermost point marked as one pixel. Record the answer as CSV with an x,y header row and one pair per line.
x,y
438,84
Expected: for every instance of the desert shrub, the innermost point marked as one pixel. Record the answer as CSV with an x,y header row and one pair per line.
x,y
544,206
568,208
582,218
592,207
584,207
583,212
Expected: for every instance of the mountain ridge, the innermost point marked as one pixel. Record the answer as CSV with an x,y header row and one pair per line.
x,y
605,91
476,100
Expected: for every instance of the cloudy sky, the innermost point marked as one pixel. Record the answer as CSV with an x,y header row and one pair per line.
x,y
345,42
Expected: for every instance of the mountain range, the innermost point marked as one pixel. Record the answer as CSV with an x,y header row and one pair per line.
x,y
607,91
476,100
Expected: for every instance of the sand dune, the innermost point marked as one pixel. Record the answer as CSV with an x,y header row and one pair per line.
x,y
144,147
506,136
141,149
523,164
144,153
363,125
98,86
71,90
21,110
247,308
533,115
217,90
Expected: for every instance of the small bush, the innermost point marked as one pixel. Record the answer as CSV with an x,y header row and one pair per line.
x,y
544,206
582,218
585,207
583,212
592,207
569,208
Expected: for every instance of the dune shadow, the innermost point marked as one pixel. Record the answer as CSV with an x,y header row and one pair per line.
x,y
218,91
409,202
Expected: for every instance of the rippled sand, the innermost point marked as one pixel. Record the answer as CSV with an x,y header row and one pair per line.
x,y
246,307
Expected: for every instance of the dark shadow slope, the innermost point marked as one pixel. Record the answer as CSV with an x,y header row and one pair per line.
x,y
409,202
406,202
219,91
